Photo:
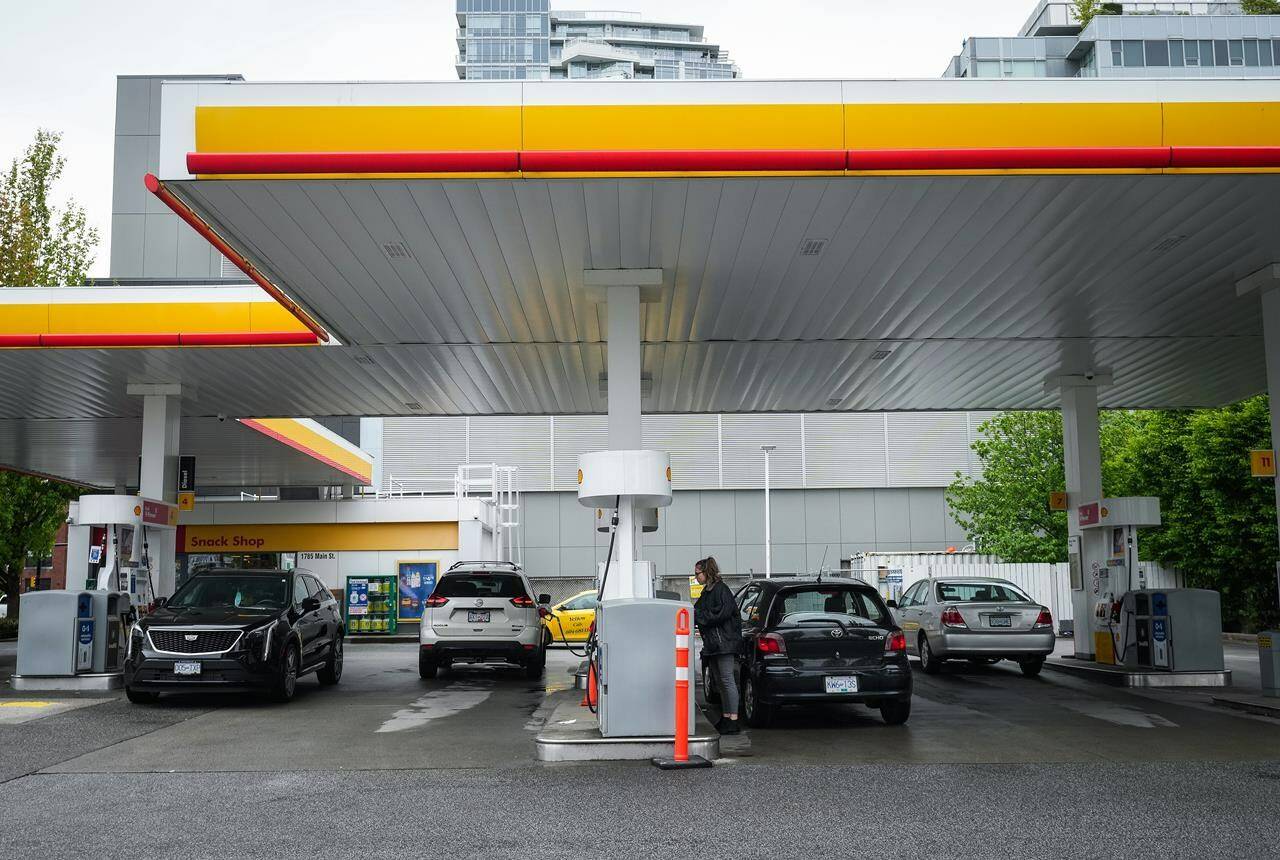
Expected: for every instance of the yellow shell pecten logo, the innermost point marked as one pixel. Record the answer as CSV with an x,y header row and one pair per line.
x,y
579,477
668,474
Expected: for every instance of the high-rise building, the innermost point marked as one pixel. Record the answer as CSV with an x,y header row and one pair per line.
x,y
1129,40
527,40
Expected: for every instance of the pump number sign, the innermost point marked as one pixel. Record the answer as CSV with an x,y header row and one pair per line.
x,y
1263,463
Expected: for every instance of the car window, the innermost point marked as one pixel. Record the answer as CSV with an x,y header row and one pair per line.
x,y
320,592
747,607
909,597
249,592
833,599
582,601
480,585
979,592
300,589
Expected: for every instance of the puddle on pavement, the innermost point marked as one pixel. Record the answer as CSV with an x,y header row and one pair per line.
x,y
1122,716
453,699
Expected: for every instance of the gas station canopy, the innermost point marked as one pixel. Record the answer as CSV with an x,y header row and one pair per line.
x,y
833,245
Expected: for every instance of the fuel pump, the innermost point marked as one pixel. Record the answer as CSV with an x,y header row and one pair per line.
x,y
1110,529
122,535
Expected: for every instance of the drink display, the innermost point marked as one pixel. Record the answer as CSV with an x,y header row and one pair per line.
x,y
371,604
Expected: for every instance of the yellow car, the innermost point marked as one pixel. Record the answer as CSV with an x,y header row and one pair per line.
x,y
570,620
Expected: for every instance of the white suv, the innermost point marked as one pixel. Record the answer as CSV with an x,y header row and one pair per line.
x,y
483,612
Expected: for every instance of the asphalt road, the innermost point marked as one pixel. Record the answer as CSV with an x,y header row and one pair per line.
x,y
385,764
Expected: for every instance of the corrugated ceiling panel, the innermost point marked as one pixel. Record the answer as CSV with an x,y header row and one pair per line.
x,y
845,450
743,459
693,441
925,448
577,435
523,442
422,454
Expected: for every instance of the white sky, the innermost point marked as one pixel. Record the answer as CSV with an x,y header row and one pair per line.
x,y
59,58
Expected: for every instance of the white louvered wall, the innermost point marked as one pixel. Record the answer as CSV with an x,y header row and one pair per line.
x,y
821,450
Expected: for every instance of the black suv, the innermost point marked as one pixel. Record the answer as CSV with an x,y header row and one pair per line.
x,y
237,630
823,640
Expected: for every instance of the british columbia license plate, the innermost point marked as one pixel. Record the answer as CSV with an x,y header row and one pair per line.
x,y
188,667
477,616
1000,620
843,684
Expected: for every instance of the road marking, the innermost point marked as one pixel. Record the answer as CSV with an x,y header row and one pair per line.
x,y
26,704
1123,716
451,700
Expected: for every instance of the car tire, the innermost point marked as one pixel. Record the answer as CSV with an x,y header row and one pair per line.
x,y
1031,668
287,683
140,697
427,667
331,672
758,714
536,666
929,664
709,687
896,713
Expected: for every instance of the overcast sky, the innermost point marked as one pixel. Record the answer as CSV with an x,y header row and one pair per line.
x,y
59,58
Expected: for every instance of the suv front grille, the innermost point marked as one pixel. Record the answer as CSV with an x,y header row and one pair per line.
x,y
194,641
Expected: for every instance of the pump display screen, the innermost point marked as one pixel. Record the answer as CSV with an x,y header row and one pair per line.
x,y
238,591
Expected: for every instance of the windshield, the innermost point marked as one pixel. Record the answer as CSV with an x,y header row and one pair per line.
x,y
253,593
480,585
979,592
857,604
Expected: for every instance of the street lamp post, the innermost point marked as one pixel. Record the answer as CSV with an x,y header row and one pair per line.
x,y
768,542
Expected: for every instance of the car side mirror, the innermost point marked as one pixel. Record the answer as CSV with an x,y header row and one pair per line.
x,y
310,604
544,598
892,604
161,601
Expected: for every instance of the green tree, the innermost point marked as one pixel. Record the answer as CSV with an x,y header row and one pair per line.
x,y
41,245
1087,10
1006,511
1260,7
31,511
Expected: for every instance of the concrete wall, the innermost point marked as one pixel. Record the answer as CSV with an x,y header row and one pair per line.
x,y
808,526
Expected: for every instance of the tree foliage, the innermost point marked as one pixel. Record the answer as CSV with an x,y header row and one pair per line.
x,y
31,511
1260,7
1219,522
41,244
1087,10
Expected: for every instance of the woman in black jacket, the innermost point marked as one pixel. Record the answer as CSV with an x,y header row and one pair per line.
x,y
716,617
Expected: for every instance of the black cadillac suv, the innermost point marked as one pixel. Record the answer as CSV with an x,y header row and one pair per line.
x,y
237,630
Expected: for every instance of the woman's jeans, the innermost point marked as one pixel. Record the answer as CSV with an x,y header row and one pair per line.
x,y
724,673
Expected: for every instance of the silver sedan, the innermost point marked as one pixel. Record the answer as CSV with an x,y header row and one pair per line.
x,y
977,619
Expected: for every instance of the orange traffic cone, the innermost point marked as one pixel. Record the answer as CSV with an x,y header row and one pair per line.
x,y
589,698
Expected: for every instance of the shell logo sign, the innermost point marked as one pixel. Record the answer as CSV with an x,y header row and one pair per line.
x,y
579,477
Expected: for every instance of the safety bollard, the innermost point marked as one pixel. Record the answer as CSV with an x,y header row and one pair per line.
x,y
681,758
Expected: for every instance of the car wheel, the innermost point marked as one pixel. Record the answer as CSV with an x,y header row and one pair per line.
x,y
896,713
427,667
928,663
759,714
536,666
331,672
287,683
140,697
1031,668
709,688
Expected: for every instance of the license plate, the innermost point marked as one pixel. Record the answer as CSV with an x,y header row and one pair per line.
x,y
845,684
187,668
1000,621
477,616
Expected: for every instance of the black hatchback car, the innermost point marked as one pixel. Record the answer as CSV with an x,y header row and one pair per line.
x,y
820,641
237,630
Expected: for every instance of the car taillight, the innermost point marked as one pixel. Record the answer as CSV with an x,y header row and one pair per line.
x,y
895,642
1044,619
524,601
436,600
771,643
951,618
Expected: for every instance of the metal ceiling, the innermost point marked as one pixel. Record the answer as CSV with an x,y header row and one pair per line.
x,y
104,452
942,292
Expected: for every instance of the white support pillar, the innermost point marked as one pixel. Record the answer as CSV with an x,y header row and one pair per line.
x,y
158,479
1271,347
1082,461
624,368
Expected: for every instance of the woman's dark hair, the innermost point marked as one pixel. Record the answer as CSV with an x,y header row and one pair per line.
x,y
710,569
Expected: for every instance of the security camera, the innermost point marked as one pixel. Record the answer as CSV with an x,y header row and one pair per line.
x,y
1088,375
224,418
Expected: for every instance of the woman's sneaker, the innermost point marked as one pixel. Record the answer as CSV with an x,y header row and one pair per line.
x,y
729,727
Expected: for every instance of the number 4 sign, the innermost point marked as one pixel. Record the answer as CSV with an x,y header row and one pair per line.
x,y
1263,463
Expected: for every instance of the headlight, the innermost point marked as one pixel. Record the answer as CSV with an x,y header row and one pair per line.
x,y
137,639
258,642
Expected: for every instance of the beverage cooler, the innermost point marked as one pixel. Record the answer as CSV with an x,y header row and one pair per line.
x,y
371,604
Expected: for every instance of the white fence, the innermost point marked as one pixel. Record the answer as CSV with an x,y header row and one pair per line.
x,y
1049,584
